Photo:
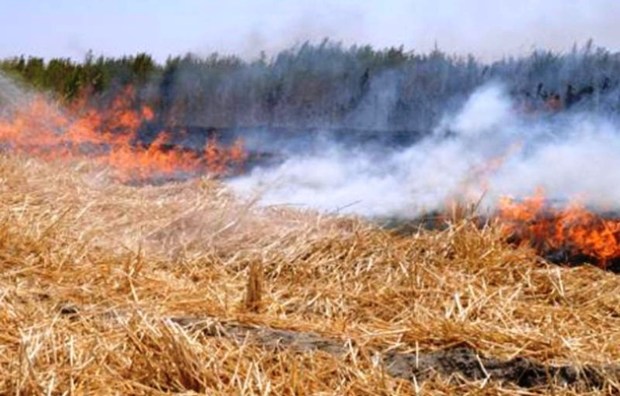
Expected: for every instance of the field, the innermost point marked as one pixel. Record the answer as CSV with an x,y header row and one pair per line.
x,y
183,288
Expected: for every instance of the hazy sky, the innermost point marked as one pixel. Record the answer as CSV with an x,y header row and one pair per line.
x,y
486,28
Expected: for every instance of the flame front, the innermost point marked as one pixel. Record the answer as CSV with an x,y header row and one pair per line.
x,y
573,228
41,128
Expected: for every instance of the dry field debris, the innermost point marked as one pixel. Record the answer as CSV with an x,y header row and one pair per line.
x,y
182,288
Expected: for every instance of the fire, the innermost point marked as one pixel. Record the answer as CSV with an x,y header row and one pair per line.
x,y
110,137
573,229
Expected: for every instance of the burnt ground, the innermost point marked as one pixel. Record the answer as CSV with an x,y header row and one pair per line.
x,y
457,363
564,256
285,137
270,145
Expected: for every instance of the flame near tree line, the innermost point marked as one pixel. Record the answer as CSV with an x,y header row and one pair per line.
x,y
40,128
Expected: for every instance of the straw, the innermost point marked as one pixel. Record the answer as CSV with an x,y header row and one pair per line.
x,y
97,278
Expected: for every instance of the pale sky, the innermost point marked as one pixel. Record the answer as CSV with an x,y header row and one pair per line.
x,y
486,28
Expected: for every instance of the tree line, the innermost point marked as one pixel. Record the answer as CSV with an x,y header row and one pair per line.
x,y
66,78
326,84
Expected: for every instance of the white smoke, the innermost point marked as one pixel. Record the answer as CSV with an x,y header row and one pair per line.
x,y
488,149
9,92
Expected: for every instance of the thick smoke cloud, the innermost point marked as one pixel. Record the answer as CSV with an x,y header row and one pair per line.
x,y
487,149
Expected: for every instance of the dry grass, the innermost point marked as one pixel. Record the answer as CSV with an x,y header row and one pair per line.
x,y
91,272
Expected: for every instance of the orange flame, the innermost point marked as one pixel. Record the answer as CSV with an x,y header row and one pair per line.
x,y
573,228
40,128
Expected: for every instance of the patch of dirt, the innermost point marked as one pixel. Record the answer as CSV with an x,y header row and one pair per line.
x,y
265,336
458,362
465,362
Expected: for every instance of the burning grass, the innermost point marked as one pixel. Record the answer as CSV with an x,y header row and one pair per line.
x,y
111,136
569,235
99,281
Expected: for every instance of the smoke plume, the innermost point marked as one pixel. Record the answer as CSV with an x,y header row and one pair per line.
x,y
487,149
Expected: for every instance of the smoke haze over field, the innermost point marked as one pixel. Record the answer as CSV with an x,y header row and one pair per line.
x,y
474,137
485,150
472,130
488,29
